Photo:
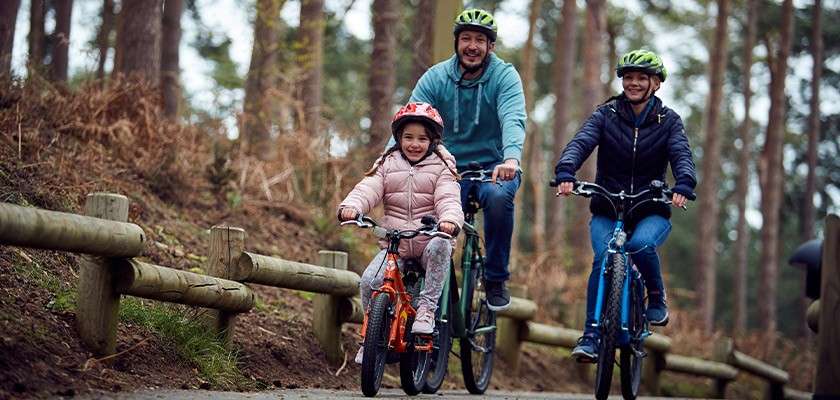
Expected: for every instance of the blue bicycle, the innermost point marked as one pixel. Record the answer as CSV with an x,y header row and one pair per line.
x,y
620,306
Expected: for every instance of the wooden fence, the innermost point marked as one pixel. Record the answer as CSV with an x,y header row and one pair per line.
x,y
108,271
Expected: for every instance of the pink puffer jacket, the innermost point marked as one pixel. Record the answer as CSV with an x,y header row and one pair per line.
x,y
409,193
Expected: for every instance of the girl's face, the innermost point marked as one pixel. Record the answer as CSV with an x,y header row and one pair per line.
x,y
414,141
636,84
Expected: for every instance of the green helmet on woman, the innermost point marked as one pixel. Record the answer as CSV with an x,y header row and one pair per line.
x,y
476,19
641,60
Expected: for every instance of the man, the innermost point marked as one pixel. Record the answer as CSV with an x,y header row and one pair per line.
x,y
483,106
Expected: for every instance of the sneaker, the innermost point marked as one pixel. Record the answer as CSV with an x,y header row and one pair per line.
x,y
359,355
586,349
498,298
657,310
424,322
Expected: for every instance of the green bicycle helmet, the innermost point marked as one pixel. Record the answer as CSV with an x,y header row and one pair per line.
x,y
641,60
476,19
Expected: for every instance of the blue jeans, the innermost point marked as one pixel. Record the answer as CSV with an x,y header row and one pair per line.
x,y
497,205
649,233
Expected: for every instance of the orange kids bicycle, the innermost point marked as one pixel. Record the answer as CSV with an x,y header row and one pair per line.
x,y
387,324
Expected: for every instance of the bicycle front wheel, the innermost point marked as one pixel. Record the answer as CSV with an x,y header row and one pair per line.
x,y
631,355
376,344
478,347
610,324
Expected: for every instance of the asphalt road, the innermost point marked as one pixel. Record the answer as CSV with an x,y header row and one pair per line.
x,y
331,394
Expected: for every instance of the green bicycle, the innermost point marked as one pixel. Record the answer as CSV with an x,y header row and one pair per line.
x,y
466,317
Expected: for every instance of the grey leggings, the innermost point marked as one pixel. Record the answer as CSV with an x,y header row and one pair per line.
x,y
435,261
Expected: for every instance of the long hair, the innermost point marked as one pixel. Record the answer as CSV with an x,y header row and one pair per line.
x,y
433,146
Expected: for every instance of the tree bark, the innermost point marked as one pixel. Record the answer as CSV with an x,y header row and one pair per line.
x,y
424,22
771,192
706,258
565,51
593,93
169,70
743,240
382,80
36,38
103,37
8,20
261,76
139,40
61,40
311,60
533,160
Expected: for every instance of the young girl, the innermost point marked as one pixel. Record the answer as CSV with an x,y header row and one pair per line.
x,y
637,137
414,178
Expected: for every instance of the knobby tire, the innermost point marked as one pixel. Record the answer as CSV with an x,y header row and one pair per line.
x,y
440,354
376,344
477,365
631,362
610,324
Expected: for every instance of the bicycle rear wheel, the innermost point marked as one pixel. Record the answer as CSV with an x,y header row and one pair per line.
x,y
440,354
610,324
631,355
414,365
477,348
376,344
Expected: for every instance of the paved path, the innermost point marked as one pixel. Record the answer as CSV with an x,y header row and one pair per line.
x,y
300,394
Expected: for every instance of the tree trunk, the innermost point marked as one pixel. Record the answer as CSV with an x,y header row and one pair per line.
x,y
565,51
311,34
8,20
771,192
138,40
533,160
593,94
382,80
61,40
706,257
103,37
424,23
36,38
169,70
261,76
445,12
743,240
807,218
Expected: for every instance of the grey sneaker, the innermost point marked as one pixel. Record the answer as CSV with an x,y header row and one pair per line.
x,y
424,322
359,355
498,298
657,309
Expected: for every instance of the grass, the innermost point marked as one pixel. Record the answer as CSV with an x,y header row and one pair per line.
x,y
190,338
64,293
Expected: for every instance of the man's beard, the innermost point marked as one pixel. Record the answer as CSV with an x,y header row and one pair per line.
x,y
471,68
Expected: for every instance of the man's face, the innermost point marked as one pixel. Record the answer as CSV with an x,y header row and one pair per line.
x,y
473,47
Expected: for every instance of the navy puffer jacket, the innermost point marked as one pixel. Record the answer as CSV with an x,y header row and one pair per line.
x,y
660,139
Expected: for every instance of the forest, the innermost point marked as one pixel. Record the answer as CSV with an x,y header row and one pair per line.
x,y
285,104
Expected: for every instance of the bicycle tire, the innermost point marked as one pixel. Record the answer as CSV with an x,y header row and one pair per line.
x,y
440,355
414,365
631,362
376,344
477,358
609,327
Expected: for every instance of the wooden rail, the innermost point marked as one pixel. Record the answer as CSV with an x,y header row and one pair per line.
x,y
107,271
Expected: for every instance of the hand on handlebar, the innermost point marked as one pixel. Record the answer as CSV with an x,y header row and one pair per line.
x,y
678,200
448,228
347,214
505,171
565,188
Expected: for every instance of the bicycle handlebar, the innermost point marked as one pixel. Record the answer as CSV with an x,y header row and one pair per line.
x,y
363,221
588,189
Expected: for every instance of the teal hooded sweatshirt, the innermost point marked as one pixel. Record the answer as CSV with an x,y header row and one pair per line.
x,y
483,118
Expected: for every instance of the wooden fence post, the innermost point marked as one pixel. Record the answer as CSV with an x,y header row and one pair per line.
x,y
828,337
226,246
326,321
98,304
653,366
509,332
